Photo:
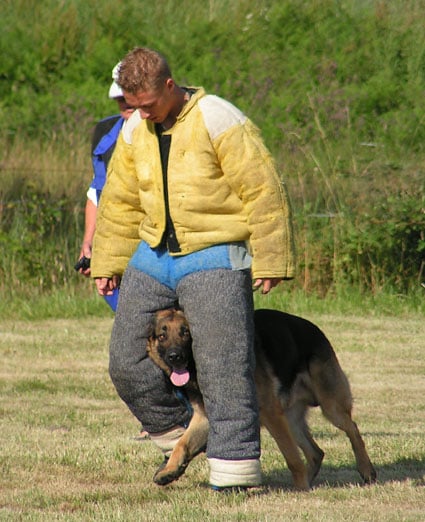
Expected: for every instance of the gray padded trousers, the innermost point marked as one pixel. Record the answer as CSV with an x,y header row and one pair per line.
x,y
219,307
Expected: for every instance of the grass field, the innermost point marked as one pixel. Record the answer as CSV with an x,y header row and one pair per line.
x,y
68,450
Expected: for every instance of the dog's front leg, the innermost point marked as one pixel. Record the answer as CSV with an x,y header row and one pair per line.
x,y
190,444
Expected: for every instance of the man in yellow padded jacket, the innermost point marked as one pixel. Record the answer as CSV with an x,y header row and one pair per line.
x,y
194,212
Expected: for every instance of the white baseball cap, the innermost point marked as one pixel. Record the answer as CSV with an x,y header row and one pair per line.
x,y
115,90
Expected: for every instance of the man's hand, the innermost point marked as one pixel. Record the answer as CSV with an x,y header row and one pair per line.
x,y
106,285
266,284
83,265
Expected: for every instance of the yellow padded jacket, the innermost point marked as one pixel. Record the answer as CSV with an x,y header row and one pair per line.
x,y
223,187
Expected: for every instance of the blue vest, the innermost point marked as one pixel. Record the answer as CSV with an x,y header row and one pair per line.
x,y
100,167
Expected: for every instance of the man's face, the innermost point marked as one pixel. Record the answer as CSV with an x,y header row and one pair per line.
x,y
153,105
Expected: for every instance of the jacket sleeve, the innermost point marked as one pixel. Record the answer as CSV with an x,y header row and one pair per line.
x,y
250,170
118,217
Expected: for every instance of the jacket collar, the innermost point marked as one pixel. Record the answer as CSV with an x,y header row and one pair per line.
x,y
187,107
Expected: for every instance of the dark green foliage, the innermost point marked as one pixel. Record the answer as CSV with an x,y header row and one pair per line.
x,y
388,245
338,89
265,56
38,234
381,250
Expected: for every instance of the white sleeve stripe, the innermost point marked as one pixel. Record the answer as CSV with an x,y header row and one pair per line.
x,y
92,195
130,125
219,115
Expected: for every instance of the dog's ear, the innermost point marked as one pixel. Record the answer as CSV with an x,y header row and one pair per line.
x,y
180,313
151,330
152,341
151,327
161,314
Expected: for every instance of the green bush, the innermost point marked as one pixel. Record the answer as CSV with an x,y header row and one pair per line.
x,y
336,87
266,57
383,250
387,248
39,236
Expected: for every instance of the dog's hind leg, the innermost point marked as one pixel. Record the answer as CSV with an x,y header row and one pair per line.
x,y
296,416
190,444
273,418
334,396
342,420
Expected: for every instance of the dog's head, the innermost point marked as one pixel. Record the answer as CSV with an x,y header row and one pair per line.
x,y
170,345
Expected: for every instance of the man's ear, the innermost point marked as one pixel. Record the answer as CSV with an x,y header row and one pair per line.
x,y
169,84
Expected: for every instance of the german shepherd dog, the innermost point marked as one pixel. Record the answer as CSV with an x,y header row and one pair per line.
x,y
296,368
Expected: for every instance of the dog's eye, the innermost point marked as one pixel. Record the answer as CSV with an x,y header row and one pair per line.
x,y
184,332
161,337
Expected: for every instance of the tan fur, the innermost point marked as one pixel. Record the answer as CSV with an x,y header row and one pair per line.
x,y
325,384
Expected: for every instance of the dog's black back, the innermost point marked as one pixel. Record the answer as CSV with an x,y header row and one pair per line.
x,y
289,343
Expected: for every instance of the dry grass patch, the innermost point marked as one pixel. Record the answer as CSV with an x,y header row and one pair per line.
x,y
68,450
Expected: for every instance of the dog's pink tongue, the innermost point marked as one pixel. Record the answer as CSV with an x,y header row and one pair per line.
x,y
179,377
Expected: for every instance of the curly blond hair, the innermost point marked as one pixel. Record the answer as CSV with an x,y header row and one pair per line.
x,y
143,69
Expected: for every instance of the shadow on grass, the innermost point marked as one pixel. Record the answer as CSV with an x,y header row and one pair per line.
x,y
334,477
343,476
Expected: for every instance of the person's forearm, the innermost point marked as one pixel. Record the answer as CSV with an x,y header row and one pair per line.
x,y
90,227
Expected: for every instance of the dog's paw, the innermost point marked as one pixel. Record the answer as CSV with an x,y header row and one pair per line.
x,y
371,478
165,475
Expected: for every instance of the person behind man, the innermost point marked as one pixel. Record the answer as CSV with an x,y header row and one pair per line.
x,y
192,193
104,139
